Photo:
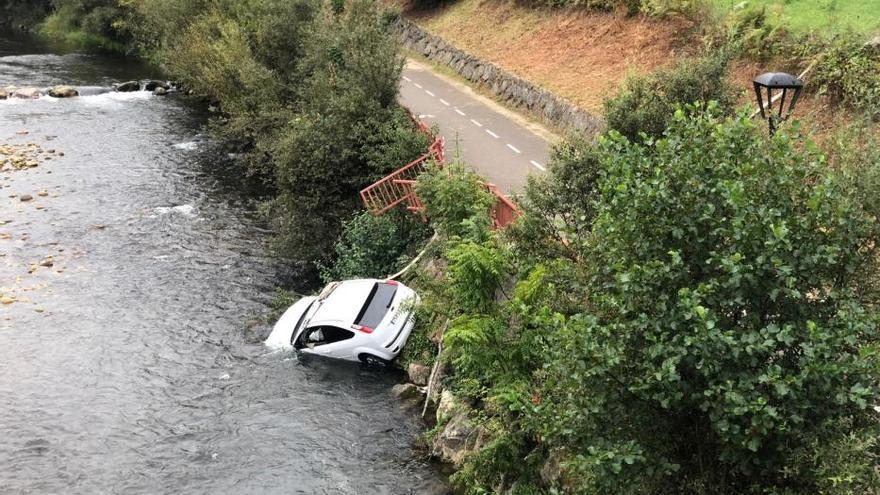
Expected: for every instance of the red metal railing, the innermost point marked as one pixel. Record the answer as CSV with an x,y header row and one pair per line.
x,y
504,212
399,186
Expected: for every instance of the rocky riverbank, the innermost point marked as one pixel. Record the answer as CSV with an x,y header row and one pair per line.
x,y
158,88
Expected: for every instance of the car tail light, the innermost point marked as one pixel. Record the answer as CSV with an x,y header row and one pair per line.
x,y
391,282
362,328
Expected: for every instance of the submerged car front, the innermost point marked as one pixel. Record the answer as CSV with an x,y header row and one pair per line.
x,y
290,323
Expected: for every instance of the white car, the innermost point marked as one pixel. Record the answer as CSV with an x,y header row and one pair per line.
x,y
367,320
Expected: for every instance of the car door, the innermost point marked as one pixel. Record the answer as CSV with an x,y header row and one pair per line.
x,y
327,340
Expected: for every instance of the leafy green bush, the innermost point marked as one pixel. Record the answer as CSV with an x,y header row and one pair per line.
x,y
95,27
700,328
476,271
848,71
645,104
559,205
751,31
724,335
455,201
376,246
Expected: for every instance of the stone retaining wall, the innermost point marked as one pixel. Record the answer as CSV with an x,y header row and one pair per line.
x,y
514,90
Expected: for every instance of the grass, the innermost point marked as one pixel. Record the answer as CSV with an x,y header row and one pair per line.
x,y
825,16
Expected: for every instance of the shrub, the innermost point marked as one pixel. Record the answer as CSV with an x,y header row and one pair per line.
x,y
347,132
694,10
476,271
93,24
558,206
724,340
645,104
848,71
455,201
375,246
752,32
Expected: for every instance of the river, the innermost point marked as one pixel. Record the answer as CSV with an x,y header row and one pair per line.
x,y
130,280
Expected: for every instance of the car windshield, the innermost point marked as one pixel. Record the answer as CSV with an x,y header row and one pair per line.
x,y
377,304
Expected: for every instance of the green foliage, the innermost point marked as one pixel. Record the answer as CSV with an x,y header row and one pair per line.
x,y
308,90
822,16
855,150
753,32
476,271
92,24
695,10
455,201
282,300
23,13
727,331
559,205
473,347
90,27
645,104
848,71
375,246
698,323
419,348
348,131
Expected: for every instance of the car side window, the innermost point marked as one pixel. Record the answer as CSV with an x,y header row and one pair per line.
x,y
326,334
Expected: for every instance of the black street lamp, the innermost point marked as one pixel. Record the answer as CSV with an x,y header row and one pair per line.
x,y
773,81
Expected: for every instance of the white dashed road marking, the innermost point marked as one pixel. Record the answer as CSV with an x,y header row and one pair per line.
x,y
460,112
492,134
538,166
418,85
429,93
444,102
425,116
476,123
513,148
407,79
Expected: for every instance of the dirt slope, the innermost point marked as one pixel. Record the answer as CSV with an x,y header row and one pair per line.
x,y
581,56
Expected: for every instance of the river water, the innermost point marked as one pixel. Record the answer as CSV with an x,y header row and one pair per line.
x,y
129,282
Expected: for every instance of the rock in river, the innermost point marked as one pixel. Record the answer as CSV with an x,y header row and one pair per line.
x,y
160,91
418,373
26,93
154,85
63,92
128,87
406,391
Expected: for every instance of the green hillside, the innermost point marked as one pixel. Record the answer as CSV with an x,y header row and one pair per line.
x,y
821,15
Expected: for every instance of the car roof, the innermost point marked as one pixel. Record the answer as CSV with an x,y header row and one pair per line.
x,y
345,302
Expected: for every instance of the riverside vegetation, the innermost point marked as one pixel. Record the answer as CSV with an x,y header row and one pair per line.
x,y
686,305
307,91
694,312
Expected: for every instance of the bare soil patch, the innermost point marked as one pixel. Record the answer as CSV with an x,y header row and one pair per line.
x,y
582,56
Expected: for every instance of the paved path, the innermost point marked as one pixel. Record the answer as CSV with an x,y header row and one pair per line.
x,y
498,143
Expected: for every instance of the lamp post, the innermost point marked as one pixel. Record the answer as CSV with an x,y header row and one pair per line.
x,y
775,81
